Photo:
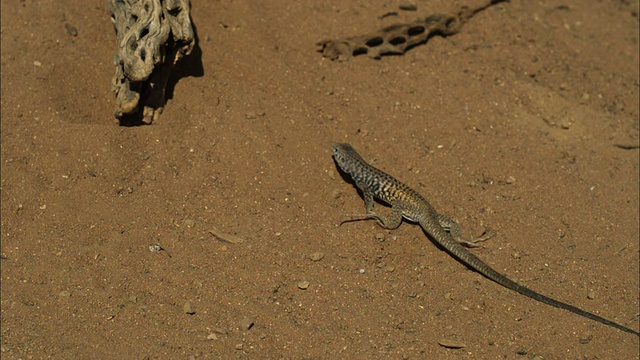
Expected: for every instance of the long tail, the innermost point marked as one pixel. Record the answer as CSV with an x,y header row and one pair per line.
x,y
462,254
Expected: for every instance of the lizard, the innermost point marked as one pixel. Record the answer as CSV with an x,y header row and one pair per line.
x,y
409,204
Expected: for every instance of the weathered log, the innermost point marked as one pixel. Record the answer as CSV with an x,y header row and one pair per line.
x,y
397,39
152,36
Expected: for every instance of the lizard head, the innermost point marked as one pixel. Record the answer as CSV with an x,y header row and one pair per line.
x,y
345,156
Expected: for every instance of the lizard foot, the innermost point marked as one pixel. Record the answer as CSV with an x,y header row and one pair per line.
x,y
472,243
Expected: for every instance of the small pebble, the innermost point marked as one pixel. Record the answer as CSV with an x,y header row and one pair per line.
x,y
316,256
591,295
566,124
511,180
239,346
212,336
303,285
379,236
187,309
246,324
219,330
253,115
189,223
585,340
408,7
65,293
451,344
71,30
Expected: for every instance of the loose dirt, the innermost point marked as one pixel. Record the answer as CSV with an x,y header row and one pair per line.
x,y
525,122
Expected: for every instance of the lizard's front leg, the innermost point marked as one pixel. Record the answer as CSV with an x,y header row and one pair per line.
x,y
392,222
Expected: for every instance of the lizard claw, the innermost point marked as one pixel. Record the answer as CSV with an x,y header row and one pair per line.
x,y
359,217
472,243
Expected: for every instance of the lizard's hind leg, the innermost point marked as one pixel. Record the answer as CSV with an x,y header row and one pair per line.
x,y
453,228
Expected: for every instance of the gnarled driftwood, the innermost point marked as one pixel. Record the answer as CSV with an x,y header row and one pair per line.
x,y
152,36
397,39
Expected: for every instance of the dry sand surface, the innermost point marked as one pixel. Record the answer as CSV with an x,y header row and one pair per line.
x,y
525,122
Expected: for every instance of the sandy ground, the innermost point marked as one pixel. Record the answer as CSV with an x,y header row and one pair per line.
x,y
512,124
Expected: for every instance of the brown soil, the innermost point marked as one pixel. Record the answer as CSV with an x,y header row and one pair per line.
x,y
511,124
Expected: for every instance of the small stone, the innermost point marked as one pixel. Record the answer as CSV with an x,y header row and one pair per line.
x,y
219,330
336,194
65,293
155,248
239,346
515,255
408,7
511,180
187,309
379,236
565,124
591,295
37,63
451,344
212,336
189,223
246,324
71,30
389,268
585,340
303,285
316,256
253,115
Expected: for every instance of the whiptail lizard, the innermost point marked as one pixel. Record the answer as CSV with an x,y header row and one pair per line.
x,y
407,203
